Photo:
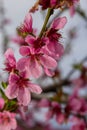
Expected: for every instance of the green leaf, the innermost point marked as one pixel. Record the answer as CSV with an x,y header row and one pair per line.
x,y
4,84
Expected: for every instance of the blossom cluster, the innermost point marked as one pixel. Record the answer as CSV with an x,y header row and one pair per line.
x,y
62,114
19,85
40,54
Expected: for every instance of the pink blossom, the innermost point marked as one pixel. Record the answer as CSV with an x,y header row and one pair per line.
x,y
26,27
35,57
54,48
42,52
44,103
59,23
60,118
80,82
20,87
2,103
77,105
78,125
10,61
54,109
7,121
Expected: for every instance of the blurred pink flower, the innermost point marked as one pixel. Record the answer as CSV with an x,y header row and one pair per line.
x,y
78,124
44,103
7,121
77,105
54,110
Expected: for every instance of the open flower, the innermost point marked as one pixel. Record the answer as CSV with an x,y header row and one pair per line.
x,y
34,57
20,87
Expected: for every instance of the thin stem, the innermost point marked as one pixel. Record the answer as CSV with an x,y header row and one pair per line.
x,y
49,13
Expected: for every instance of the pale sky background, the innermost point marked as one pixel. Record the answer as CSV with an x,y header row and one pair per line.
x,y
16,11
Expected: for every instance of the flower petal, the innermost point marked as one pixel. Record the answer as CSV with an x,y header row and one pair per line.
x,y
49,72
30,39
9,53
35,88
13,123
56,49
44,103
24,96
28,22
13,78
48,62
24,50
59,23
35,68
11,91
22,64
10,59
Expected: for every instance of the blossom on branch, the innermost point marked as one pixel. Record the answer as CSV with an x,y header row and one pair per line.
x,y
42,52
19,85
